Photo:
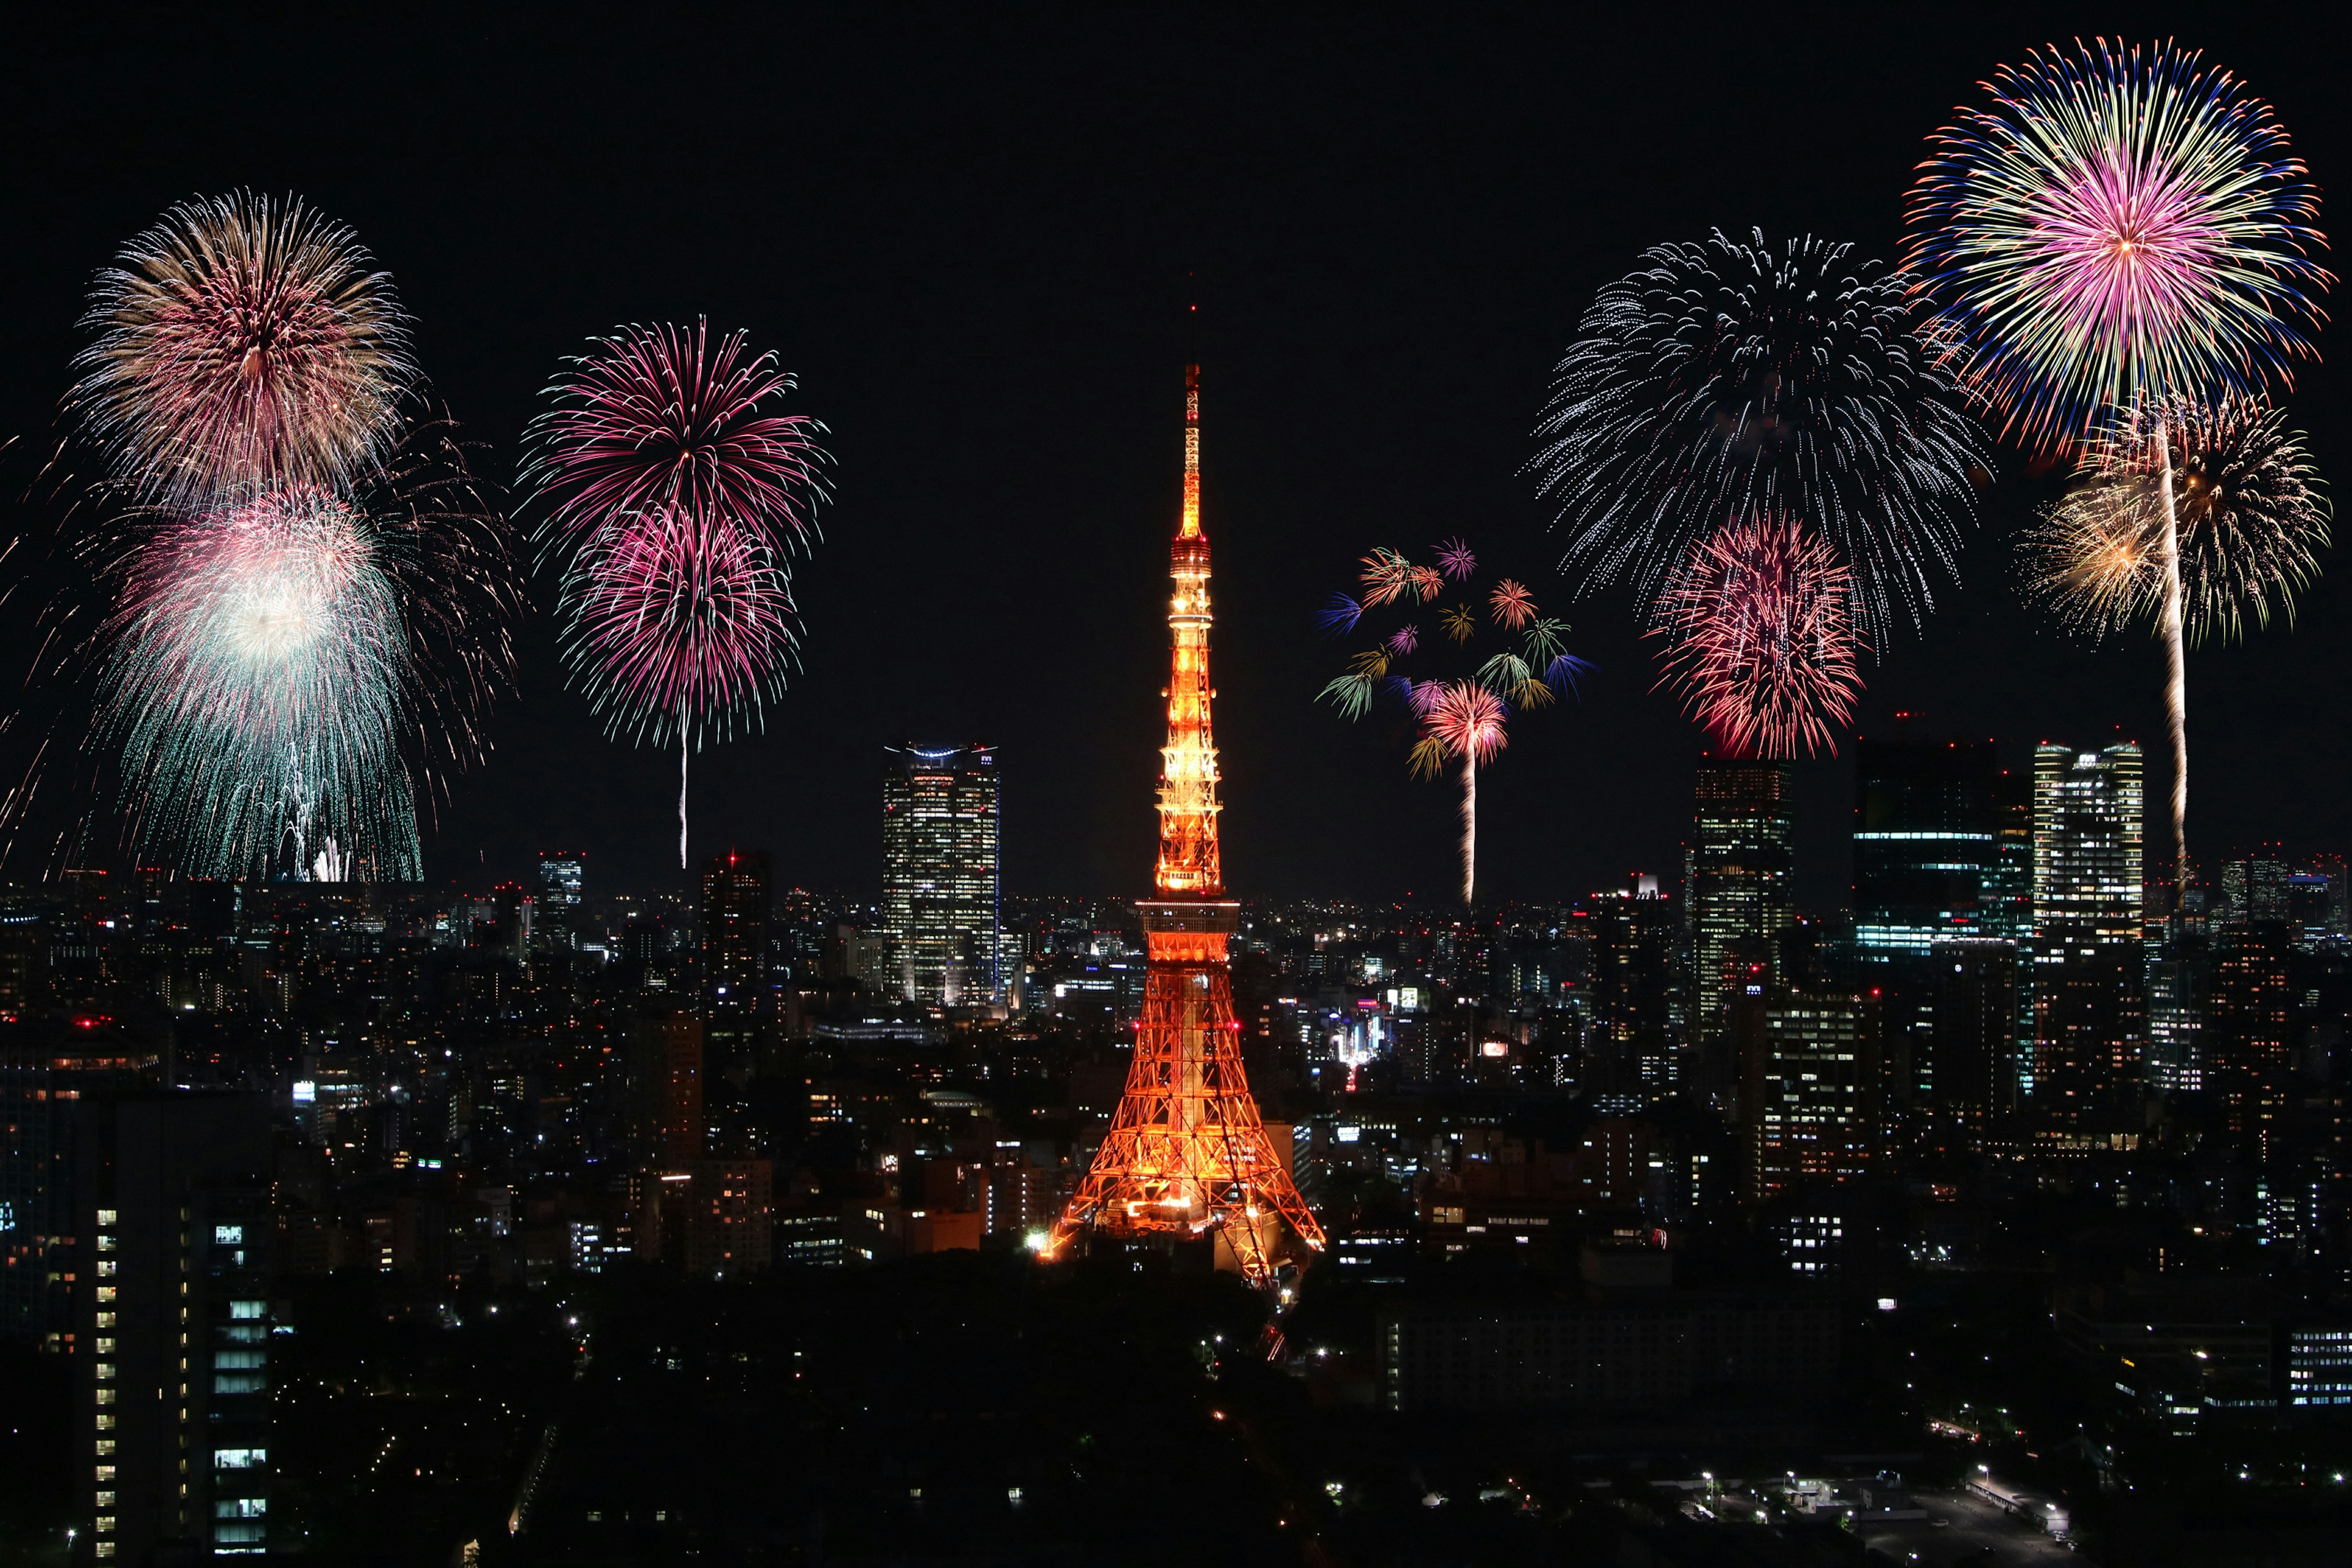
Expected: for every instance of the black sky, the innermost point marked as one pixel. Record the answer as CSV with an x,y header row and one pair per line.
x,y
968,230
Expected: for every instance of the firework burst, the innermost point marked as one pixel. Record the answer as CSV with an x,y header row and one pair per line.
x,y
1458,717
2114,226
1723,381
2252,514
2119,234
1760,639
243,341
675,494
290,675
260,659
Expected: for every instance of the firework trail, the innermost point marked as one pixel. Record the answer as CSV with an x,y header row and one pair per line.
x,y
1727,380
242,340
1459,717
2252,511
674,495
2119,232
1761,640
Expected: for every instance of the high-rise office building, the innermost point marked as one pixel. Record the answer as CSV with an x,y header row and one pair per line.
x,y
1635,1053
1971,1066
1736,888
941,896
1925,843
562,880
1927,852
2180,993
49,1071
736,989
2248,1037
666,1116
1808,1097
173,1456
2255,888
2090,998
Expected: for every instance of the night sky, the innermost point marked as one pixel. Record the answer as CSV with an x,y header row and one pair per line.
x,y
970,233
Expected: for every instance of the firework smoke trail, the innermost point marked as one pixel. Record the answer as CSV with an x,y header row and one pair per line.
x,y
679,620
242,340
675,495
1726,380
1761,640
1459,718
2116,231
2251,512
259,660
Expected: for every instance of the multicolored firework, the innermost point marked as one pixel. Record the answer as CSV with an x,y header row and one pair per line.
x,y
243,341
676,494
1723,381
1464,717
2118,234
2115,225
2252,515
1760,639
290,674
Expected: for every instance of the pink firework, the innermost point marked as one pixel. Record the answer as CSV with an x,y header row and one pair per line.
x,y
1761,640
1459,720
1454,560
674,493
1405,639
656,420
684,618
2116,223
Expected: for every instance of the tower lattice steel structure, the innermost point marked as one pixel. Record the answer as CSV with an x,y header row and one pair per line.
x,y
1186,1153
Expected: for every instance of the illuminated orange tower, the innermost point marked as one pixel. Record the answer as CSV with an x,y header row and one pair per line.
x,y
1186,1153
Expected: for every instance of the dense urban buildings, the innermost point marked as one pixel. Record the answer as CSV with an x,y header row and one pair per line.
x,y
338,1113
942,896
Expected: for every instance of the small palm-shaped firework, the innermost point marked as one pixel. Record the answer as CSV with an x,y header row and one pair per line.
x,y
1462,712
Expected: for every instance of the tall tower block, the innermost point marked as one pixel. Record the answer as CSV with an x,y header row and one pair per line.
x,y
1186,1154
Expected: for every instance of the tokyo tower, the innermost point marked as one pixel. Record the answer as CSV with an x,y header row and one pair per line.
x,y
1186,1154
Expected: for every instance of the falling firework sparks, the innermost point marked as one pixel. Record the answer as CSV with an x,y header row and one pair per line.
x,y
255,688
2253,516
2117,233
1760,641
1726,380
243,341
675,496
290,675
1459,718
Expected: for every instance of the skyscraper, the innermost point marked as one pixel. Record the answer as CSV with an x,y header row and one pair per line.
x,y
1186,1154
1926,854
1736,888
735,985
940,894
1636,1054
174,1404
2089,985
1807,1108
1924,837
563,878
